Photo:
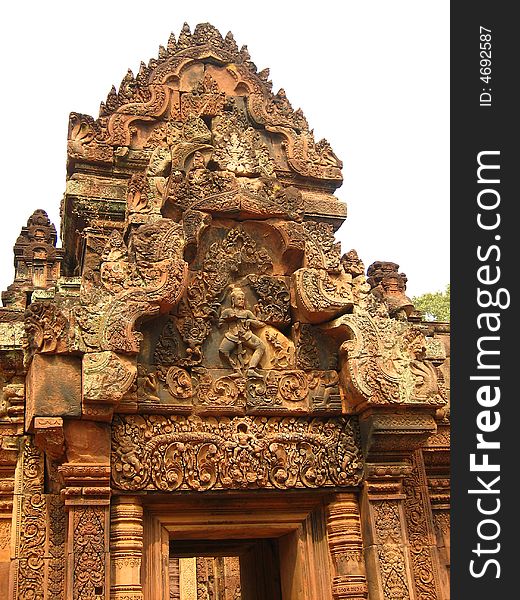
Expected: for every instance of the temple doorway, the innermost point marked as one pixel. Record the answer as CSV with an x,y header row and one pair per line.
x,y
248,547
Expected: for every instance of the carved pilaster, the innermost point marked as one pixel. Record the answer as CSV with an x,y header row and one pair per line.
x,y
441,522
27,578
87,500
126,548
8,461
385,538
345,544
421,532
57,519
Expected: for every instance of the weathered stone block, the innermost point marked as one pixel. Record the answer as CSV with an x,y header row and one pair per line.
x,y
86,441
53,387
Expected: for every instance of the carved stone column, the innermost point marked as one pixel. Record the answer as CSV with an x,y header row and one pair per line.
x,y
345,544
126,548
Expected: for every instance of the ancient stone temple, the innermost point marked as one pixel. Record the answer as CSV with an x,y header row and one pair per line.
x,y
202,396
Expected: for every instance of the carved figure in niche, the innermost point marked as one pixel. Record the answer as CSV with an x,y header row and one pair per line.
x,y
243,440
239,336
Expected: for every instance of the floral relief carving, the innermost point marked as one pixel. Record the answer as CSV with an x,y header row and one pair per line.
x,y
57,531
32,526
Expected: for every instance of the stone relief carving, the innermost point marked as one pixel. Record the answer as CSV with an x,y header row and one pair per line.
x,y
89,552
419,522
240,323
31,533
135,282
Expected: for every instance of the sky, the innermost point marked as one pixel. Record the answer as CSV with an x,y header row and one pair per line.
x,y
371,77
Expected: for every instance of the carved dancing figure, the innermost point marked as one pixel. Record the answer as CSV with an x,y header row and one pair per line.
x,y
239,336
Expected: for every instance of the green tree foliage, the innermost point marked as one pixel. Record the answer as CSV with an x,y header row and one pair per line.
x,y
435,306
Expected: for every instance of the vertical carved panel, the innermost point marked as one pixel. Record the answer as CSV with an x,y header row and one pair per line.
x,y
89,564
421,534
31,535
390,550
231,569
188,578
57,529
345,544
441,521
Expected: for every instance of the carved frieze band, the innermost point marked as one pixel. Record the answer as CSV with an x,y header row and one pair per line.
x,y
169,453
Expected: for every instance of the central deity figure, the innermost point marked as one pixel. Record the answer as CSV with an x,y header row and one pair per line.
x,y
239,336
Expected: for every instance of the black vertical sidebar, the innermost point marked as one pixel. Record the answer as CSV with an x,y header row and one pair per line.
x,y
485,381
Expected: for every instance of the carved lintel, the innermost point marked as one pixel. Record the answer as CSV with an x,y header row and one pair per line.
x,y
237,453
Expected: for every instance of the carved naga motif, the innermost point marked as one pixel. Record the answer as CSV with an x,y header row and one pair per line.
x,y
384,362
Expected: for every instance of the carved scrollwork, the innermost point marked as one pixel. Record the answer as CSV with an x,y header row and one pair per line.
x,y
390,550
89,551
319,296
